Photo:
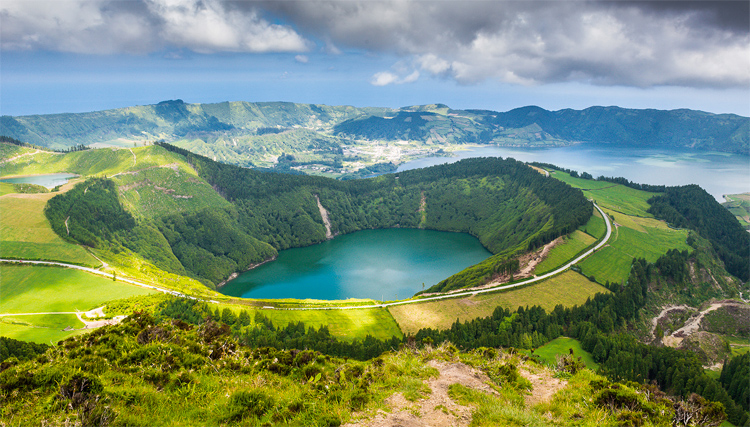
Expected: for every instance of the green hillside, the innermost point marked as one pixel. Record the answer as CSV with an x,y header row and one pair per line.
x,y
165,216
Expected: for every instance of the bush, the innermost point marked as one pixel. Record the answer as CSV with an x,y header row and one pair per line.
x,y
243,403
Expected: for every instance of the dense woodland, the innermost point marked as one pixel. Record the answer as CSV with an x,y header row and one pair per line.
x,y
508,206
692,207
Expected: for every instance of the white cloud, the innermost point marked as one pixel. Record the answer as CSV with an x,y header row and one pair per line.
x,y
302,59
385,78
107,26
643,44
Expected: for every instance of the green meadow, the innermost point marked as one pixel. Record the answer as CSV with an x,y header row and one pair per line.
x,y
567,289
615,197
24,328
562,346
634,237
35,289
25,232
345,324
572,245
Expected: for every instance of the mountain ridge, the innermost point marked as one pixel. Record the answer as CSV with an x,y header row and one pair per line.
x,y
237,123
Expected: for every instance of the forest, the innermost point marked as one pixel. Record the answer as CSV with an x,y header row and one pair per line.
x,y
508,206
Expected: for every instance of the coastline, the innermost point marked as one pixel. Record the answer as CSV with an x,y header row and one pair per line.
x,y
250,267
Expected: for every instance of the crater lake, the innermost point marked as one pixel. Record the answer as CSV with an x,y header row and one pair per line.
x,y
383,264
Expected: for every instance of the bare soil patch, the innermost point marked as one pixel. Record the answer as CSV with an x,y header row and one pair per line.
x,y
544,385
437,410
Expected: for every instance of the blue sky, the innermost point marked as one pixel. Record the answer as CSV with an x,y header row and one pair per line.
x,y
75,55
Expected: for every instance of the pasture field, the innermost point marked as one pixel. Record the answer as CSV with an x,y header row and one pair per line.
x,y
25,232
22,328
626,200
562,346
6,188
34,289
634,237
739,206
584,184
89,162
165,190
595,227
572,245
568,289
616,197
345,324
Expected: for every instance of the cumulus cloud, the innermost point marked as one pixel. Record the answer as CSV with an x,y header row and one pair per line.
x,y
385,78
302,59
141,26
633,43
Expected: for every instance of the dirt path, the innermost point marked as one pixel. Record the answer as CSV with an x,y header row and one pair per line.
x,y
665,310
134,158
691,326
324,214
20,155
97,312
438,409
544,386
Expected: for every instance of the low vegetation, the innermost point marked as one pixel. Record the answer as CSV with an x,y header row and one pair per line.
x,y
25,233
567,289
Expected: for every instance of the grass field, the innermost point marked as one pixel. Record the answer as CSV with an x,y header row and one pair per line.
x,y
572,244
6,188
634,237
562,345
615,197
345,324
739,206
40,334
568,289
25,232
33,289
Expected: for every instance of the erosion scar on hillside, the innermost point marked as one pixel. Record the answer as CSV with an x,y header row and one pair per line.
x,y
324,215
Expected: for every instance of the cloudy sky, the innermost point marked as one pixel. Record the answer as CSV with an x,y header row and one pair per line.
x,y
84,55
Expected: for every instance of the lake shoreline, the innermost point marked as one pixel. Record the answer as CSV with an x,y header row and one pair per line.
x,y
250,267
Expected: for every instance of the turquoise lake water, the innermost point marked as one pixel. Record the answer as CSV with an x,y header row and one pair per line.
x,y
378,264
51,180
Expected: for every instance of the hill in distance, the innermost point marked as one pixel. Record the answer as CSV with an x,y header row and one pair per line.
x,y
297,135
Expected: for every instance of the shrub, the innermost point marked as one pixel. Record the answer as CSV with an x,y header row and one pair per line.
x,y
244,403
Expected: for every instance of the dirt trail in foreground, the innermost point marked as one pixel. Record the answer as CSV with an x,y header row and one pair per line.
x,y
437,410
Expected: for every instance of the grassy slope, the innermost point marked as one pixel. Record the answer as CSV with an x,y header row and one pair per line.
x,y
49,289
739,205
637,235
344,324
568,289
562,346
34,289
26,234
321,391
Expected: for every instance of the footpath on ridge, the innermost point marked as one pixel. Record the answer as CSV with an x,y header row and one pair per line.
x,y
338,307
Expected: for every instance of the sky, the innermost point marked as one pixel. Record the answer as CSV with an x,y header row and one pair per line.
x,y
61,56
